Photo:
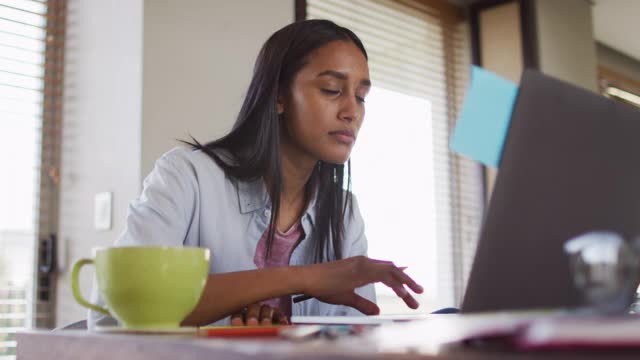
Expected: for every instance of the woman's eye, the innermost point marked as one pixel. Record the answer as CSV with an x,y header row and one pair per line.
x,y
360,99
330,92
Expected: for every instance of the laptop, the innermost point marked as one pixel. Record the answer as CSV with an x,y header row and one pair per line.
x,y
570,164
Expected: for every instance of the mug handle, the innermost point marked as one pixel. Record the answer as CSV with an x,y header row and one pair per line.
x,y
76,288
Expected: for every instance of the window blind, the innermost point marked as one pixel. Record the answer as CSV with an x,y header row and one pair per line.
x,y
421,49
31,44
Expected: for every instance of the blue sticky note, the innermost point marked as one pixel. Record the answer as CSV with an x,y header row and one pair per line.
x,y
484,120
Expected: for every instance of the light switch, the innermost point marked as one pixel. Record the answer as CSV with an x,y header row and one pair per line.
x,y
102,211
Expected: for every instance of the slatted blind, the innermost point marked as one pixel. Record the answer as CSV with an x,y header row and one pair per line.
x,y
31,44
465,177
421,49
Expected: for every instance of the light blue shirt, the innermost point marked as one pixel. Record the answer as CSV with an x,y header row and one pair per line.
x,y
188,200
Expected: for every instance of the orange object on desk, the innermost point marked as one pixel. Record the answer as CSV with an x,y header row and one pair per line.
x,y
240,331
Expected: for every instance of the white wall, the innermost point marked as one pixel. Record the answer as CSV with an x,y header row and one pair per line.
x,y
618,62
101,129
501,44
138,75
500,35
198,61
566,46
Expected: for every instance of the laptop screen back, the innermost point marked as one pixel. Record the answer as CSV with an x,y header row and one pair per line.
x,y
570,164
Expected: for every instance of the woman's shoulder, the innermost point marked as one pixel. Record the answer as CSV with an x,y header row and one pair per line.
x,y
195,160
355,242
351,202
194,169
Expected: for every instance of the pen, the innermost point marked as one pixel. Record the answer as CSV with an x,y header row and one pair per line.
x,y
299,298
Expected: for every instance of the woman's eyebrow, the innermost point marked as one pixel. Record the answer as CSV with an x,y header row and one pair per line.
x,y
342,76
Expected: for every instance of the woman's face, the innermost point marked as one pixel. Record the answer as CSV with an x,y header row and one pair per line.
x,y
324,108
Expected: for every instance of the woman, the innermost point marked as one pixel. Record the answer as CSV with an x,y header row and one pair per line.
x,y
268,198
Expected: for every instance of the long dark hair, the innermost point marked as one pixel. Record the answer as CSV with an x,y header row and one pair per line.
x,y
254,141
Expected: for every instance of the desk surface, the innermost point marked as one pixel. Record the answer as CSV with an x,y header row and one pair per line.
x,y
73,344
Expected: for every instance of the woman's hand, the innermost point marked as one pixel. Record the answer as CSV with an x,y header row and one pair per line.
x,y
259,314
335,282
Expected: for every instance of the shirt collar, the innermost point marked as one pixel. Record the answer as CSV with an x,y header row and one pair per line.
x,y
253,196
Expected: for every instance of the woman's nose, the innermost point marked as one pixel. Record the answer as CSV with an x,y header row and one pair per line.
x,y
350,110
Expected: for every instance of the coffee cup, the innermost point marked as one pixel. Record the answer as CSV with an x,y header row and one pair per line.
x,y
146,286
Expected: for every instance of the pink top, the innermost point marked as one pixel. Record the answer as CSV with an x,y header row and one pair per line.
x,y
281,249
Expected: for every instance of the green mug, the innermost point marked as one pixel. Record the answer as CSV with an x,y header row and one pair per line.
x,y
147,286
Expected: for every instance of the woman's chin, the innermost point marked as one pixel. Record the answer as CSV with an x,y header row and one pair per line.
x,y
338,160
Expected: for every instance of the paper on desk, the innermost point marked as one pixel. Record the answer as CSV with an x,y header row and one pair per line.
x,y
428,336
581,332
357,320
483,123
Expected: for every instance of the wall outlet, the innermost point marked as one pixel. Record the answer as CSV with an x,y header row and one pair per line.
x,y
102,211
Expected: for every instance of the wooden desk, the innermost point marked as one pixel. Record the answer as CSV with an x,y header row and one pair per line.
x,y
72,345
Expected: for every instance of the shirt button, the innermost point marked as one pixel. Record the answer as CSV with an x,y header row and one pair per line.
x,y
267,213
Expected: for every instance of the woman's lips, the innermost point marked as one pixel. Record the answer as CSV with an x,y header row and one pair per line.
x,y
344,136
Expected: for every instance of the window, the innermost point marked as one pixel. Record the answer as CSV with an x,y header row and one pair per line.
x,y
30,75
619,87
421,204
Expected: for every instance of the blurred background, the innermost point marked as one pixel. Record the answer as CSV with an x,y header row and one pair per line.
x,y
92,92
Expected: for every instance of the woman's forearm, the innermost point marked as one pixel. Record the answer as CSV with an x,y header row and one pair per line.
x,y
331,282
225,294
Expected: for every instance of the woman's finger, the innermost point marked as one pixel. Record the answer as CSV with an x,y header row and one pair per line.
x,y
252,315
384,269
266,315
402,292
357,302
280,318
409,299
380,269
237,319
401,276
